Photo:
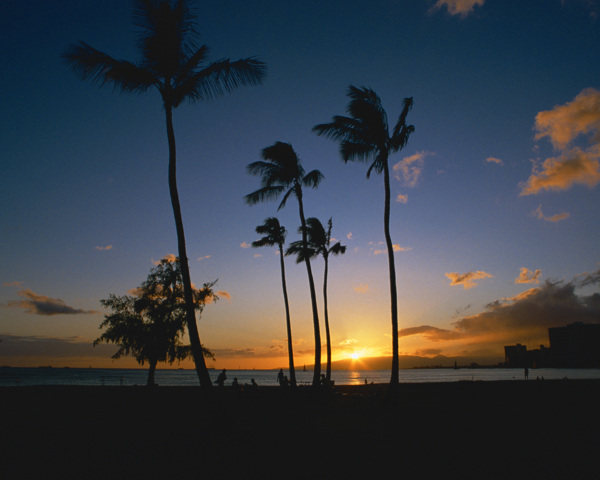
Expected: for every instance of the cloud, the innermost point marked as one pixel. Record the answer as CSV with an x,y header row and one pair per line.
x,y
408,170
574,164
107,247
53,347
467,280
523,318
257,255
349,236
17,283
205,257
397,248
527,276
565,122
169,257
245,245
43,305
554,218
457,7
430,333
401,198
361,288
224,294
495,160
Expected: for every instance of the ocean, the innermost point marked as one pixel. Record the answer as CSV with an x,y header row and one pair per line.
x,y
17,376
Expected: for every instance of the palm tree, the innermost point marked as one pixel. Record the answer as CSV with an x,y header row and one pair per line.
x,y
281,172
172,61
274,234
364,135
319,243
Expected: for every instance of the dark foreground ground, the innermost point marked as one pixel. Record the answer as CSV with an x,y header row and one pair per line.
x,y
517,429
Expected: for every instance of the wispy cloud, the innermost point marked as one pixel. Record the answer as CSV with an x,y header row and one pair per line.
x,y
574,165
457,7
107,247
495,160
43,305
553,218
401,198
527,276
17,283
467,280
224,294
245,245
349,236
205,257
361,288
409,169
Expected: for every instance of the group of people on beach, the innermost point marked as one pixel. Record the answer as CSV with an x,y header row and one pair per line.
x,y
235,384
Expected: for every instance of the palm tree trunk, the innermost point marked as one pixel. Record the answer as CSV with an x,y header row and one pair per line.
x,y
392,270
199,362
313,296
327,336
151,370
287,318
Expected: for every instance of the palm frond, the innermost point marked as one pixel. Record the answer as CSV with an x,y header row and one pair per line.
x,y
338,249
221,77
312,179
301,251
285,198
401,130
98,67
264,193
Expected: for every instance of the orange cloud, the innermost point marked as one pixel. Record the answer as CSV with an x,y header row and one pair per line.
x,y
495,160
107,247
408,170
361,288
554,218
467,280
565,122
457,7
527,276
574,165
401,198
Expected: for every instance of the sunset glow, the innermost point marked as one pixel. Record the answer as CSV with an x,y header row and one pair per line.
x,y
494,200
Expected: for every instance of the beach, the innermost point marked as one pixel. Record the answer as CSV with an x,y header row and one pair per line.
x,y
517,429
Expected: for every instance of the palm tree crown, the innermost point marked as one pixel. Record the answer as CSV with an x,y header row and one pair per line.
x,y
281,171
318,242
365,132
274,234
170,59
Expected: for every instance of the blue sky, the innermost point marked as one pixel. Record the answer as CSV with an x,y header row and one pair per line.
x,y
502,174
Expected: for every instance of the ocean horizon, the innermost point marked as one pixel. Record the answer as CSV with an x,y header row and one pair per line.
x,y
32,376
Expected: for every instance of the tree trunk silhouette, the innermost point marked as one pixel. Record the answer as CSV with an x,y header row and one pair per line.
x,y
195,343
392,270
327,335
313,296
287,318
151,371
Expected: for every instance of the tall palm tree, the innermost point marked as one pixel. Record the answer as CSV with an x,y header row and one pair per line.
x,y
172,61
319,243
281,172
274,234
362,136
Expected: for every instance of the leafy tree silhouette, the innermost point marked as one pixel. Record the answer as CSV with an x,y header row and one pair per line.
x,y
149,324
172,61
319,243
281,172
274,234
364,135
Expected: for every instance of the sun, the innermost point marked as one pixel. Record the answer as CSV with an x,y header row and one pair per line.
x,y
354,356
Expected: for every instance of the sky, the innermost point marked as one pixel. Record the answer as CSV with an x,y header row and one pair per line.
x,y
495,219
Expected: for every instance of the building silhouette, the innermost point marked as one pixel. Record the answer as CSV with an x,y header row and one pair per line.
x,y
576,345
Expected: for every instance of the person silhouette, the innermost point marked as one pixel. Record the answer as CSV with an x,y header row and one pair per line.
x,y
221,378
235,383
280,377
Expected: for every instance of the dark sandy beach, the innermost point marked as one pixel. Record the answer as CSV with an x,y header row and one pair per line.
x,y
516,429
